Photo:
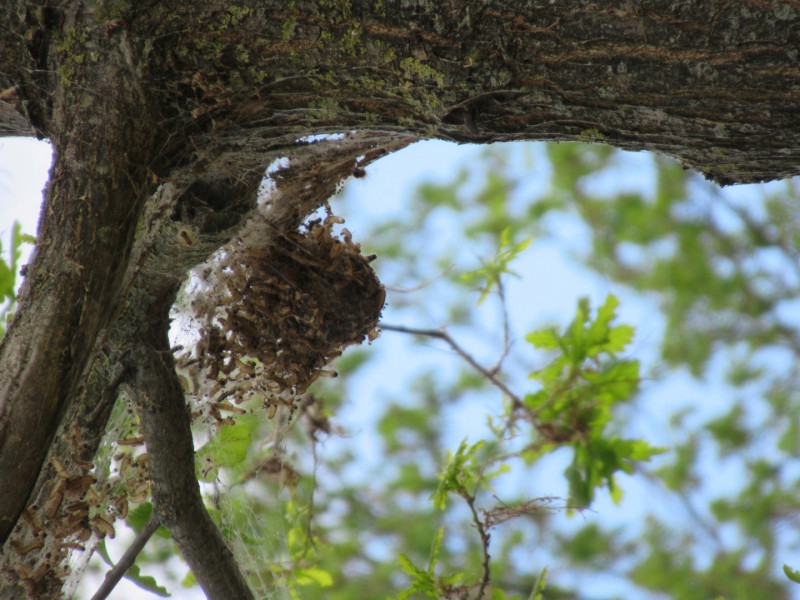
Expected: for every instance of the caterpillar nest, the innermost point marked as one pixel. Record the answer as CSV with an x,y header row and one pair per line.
x,y
293,306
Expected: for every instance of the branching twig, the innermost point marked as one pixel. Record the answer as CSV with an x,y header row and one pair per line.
x,y
118,571
485,536
441,334
492,517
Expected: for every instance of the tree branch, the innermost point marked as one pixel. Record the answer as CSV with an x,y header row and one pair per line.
x,y
165,422
117,572
486,577
441,334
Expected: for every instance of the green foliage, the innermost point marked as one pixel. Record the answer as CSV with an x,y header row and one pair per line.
x,y
8,274
461,472
792,574
309,576
698,264
228,448
422,581
489,274
580,387
541,583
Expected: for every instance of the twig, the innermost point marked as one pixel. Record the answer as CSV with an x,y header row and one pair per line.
x,y
709,529
445,337
118,571
501,293
310,542
419,286
485,536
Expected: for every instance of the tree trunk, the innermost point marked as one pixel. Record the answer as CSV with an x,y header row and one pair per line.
x,y
164,116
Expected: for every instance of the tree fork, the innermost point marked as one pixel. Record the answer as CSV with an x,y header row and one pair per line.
x,y
174,234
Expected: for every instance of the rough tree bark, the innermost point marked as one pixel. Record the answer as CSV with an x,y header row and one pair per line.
x,y
163,117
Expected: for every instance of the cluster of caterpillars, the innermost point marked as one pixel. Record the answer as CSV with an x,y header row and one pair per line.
x,y
283,312
75,507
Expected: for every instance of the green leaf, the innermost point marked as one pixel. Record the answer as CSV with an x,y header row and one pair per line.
x,y
539,587
8,270
596,461
642,451
146,582
102,551
544,339
409,567
792,574
7,280
618,338
139,515
436,546
730,430
189,581
226,449
489,274
457,474
615,492
598,330
616,383
422,582
311,575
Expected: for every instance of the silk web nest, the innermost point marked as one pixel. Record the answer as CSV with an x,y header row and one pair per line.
x,y
285,311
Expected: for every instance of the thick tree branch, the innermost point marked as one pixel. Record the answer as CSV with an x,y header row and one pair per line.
x,y
164,420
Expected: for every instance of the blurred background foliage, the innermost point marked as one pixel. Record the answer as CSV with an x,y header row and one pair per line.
x,y
577,460
8,274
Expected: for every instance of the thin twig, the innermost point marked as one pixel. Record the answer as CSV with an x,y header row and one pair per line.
x,y
501,293
118,571
419,286
709,529
310,541
445,337
485,536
